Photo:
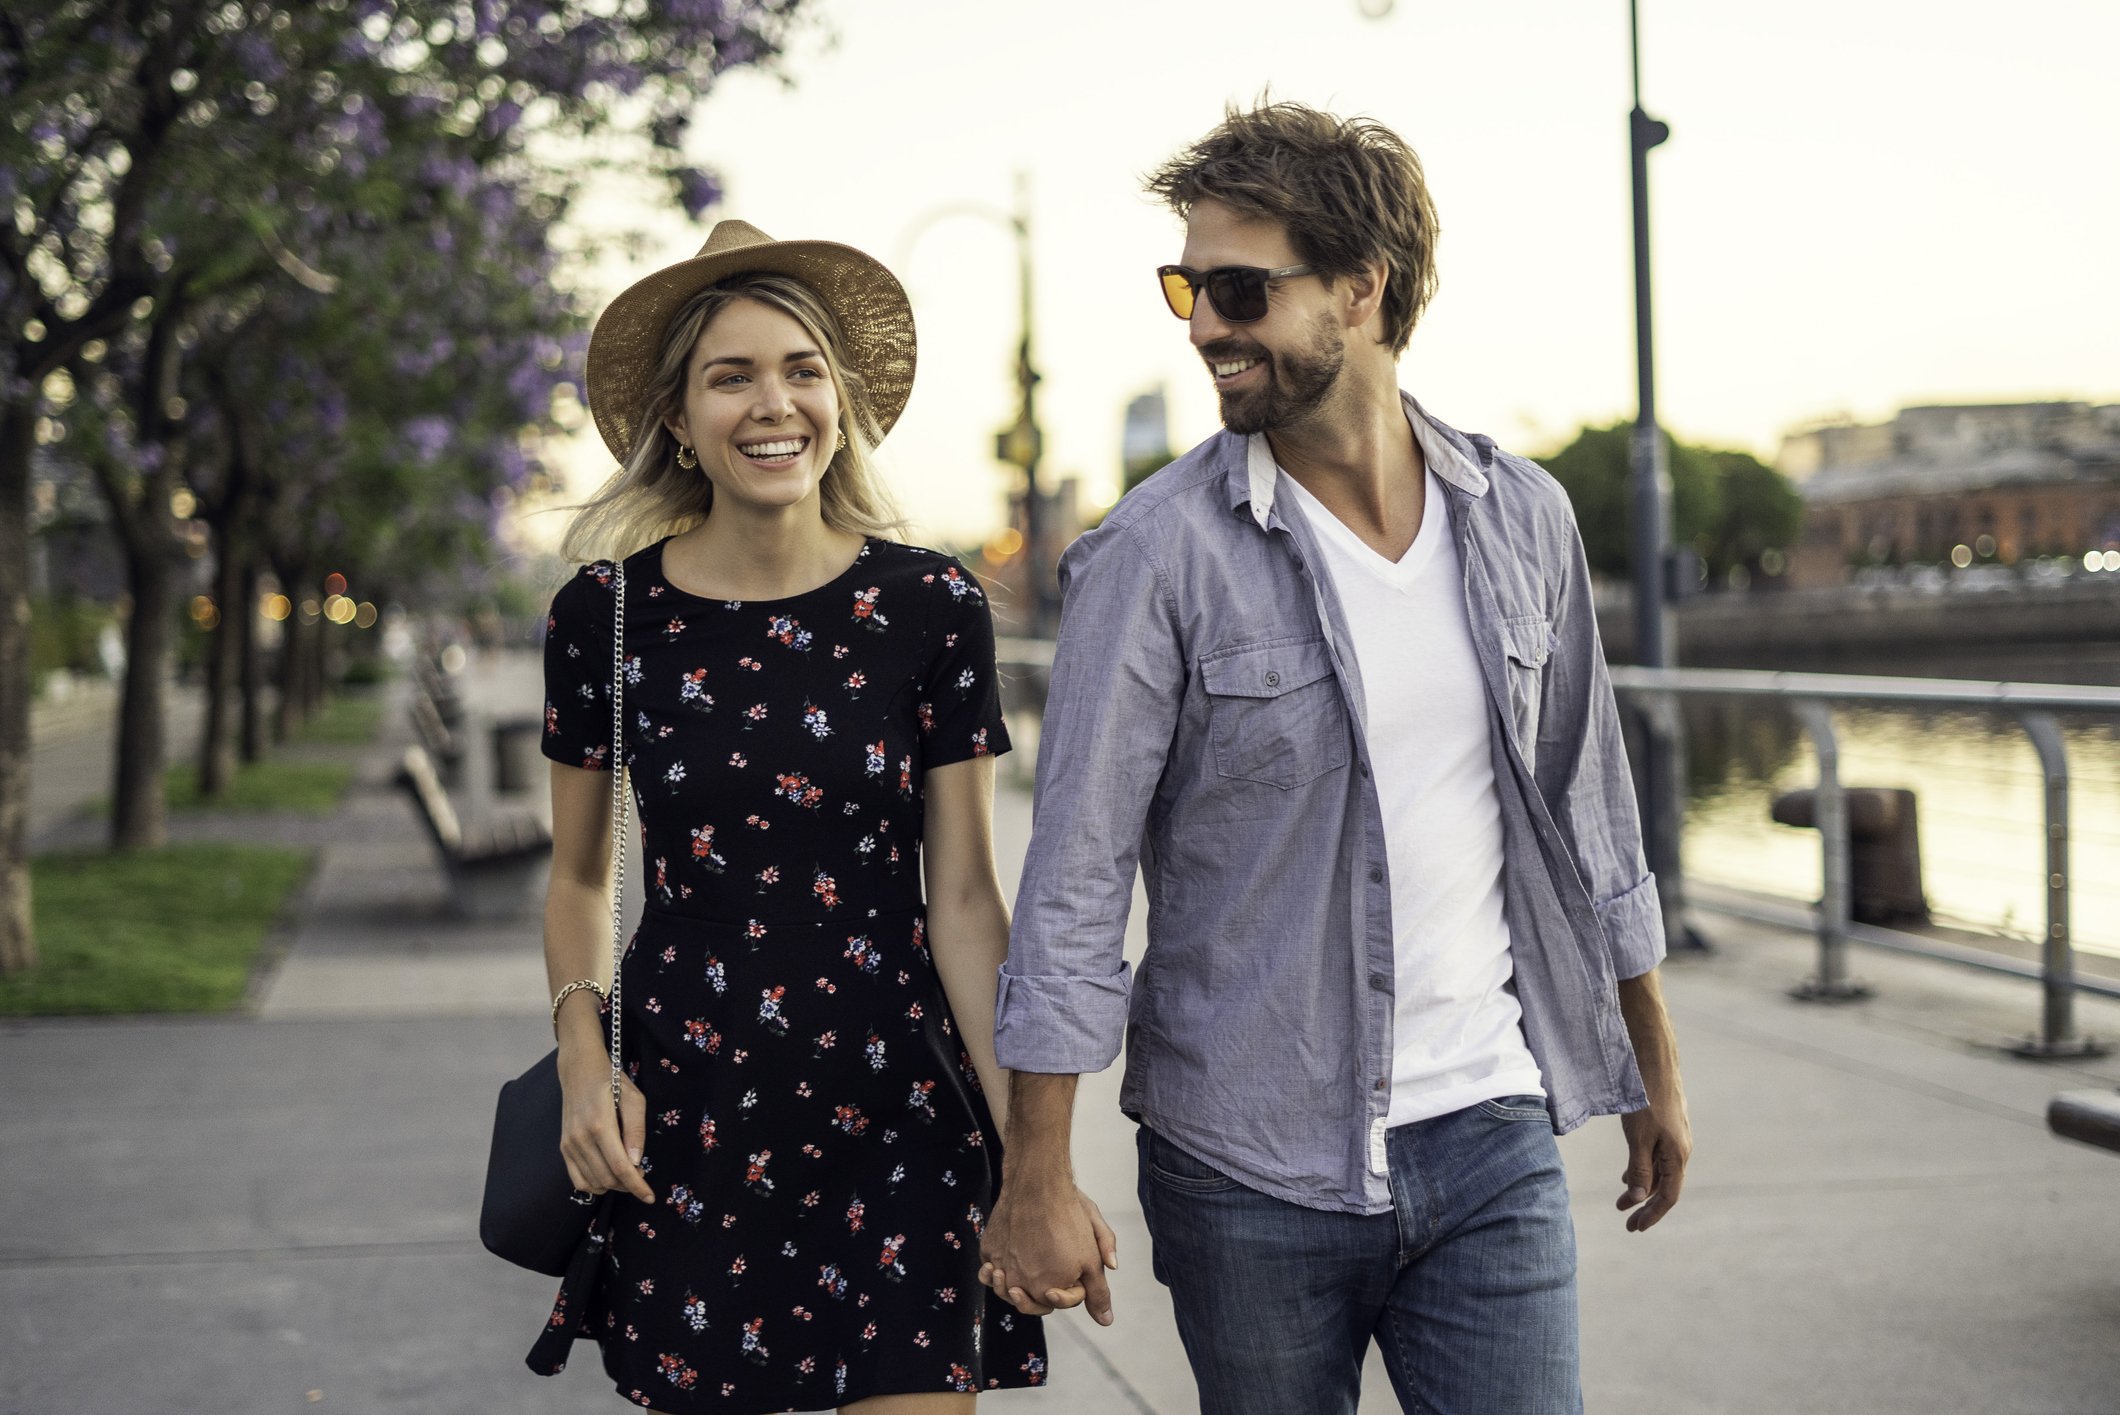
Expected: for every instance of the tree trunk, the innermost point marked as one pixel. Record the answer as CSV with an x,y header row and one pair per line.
x,y
18,944
253,662
139,817
287,712
224,654
314,680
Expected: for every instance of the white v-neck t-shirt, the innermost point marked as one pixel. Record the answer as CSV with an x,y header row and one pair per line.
x,y
1457,1030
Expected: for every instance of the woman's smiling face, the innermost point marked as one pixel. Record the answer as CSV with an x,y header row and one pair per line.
x,y
759,406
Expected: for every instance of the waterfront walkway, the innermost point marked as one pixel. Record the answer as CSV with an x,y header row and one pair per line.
x,y
275,1211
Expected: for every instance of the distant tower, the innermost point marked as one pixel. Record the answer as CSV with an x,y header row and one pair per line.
x,y
1144,447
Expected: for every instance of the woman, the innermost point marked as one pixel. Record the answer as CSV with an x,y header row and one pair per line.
x,y
806,1115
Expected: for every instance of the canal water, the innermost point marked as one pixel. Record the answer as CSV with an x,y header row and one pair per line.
x,y
1980,802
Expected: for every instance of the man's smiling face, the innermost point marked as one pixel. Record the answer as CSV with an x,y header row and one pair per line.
x,y
1277,369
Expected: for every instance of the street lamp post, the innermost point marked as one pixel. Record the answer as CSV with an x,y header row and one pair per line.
x,y
1663,766
1022,443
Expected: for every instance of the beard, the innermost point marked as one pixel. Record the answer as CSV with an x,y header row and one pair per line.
x,y
1297,382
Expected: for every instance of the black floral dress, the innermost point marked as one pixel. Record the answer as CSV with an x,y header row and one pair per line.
x,y
822,1159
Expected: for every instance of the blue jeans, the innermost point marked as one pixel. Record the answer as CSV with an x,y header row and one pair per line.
x,y
1467,1285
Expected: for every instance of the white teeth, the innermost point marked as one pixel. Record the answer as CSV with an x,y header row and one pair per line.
x,y
1225,370
773,449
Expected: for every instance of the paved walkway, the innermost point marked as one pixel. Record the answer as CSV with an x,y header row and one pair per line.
x,y
275,1212
70,750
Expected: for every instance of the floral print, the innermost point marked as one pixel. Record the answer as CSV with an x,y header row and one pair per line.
x,y
817,1143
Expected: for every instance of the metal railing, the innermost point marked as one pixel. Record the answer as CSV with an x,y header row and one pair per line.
x,y
1810,697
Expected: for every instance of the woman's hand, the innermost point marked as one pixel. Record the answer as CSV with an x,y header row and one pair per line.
x,y
602,1149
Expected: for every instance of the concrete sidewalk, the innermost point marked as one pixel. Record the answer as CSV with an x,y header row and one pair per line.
x,y
275,1211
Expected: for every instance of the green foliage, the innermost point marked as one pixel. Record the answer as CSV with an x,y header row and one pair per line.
x,y
1729,506
174,930
365,671
63,630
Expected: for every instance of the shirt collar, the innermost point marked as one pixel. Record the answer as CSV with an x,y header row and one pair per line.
x,y
1452,456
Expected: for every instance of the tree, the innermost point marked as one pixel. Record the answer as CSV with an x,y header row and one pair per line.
x,y
126,125
1760,511
1728,506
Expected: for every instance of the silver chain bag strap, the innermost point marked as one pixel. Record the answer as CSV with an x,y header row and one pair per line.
x,y
618,808
531,1214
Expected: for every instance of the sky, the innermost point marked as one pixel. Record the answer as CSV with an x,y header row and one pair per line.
x,y
1864,204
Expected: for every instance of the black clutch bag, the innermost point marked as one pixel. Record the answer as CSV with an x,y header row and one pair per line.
x,y
532,1215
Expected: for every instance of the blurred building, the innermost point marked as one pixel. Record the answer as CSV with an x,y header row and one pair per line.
x,y
1955,485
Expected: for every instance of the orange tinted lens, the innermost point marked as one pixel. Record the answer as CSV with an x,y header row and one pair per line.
x,y
1178,294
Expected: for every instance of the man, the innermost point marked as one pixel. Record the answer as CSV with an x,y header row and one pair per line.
x,y
1333,679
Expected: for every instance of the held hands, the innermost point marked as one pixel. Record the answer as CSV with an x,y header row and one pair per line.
x,y
602,1148
1047,1247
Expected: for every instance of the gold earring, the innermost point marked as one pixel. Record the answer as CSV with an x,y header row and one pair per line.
x,y
842,441
686,457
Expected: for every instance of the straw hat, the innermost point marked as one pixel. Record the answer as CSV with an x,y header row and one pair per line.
x,y
871,306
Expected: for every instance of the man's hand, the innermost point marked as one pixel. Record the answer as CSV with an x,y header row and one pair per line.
x,y
1047,1246
1659,1139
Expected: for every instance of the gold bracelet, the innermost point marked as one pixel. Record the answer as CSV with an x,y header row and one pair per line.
x,y
590,983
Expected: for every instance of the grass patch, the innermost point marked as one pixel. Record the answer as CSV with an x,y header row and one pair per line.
x,y
301,788
348,720
171,930
308,788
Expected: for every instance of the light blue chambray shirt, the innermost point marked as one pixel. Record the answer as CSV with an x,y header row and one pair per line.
x,y
1205,719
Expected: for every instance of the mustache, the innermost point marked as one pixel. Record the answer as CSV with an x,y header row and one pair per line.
x,y
1228,350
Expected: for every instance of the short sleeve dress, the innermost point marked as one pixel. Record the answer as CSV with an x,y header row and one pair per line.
x,y
822,1159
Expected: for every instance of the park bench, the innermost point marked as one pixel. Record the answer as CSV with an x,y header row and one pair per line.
x,y
494,869
433,683
443,745
2090,1116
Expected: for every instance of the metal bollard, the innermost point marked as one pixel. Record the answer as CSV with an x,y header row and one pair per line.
x,y
1831,984
2057,1036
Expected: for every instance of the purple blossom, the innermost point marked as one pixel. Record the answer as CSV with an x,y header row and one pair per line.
x,y
530,389
698,190
426,435
258,59
502,120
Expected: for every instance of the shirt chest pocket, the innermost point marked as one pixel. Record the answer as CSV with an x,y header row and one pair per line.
x,y
1274,712
1527,642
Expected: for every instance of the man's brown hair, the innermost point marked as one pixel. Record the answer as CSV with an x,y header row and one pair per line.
x,y
1348,191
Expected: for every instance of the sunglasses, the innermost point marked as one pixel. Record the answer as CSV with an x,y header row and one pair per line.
x,y
1238,291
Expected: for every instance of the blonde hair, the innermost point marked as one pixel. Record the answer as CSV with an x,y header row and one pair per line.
x,y
650,496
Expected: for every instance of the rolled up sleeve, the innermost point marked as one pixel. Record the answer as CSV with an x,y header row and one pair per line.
x,y
1117,684
1584,778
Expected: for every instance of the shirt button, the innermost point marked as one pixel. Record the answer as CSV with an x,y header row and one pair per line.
x,y
1376,876
1362,767
1273,680
1380,981
1382,1083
